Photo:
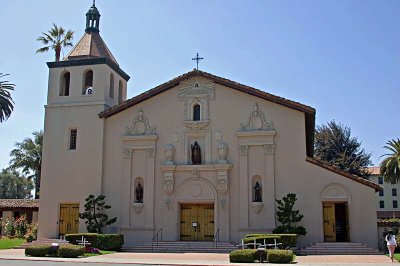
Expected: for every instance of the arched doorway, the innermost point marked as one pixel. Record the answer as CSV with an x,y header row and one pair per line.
x,y
335,209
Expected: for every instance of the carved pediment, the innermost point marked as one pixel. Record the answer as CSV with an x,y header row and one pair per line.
x,y
256,121
140,126
197,88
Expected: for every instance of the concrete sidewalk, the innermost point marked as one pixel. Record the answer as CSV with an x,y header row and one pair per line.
x,y
199,259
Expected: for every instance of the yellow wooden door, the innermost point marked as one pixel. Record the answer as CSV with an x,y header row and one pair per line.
x,y
200,215
329,222
69,218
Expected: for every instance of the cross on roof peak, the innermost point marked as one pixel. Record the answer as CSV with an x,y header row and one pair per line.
x,y
197,59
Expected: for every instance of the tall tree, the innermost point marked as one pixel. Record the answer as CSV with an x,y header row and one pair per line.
x,y
56,38
335,145
390,166
14,186
27,156
6,102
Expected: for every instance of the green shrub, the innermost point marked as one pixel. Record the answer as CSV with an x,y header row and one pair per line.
x,y
279,256
70,251
287,240
299,230
243,255
101,241
37,250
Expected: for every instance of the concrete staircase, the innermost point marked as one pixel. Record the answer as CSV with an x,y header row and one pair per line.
x,y
182,247
42,241
338,248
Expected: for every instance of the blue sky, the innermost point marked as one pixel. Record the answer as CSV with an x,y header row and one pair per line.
x,y
340,57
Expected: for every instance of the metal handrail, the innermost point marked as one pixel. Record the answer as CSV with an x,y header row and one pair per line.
x,y
216,239
155,238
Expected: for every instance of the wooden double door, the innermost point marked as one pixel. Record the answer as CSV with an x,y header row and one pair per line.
x,y
69,218
335,216
197,222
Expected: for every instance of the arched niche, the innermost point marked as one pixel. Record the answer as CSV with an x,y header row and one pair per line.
x,y
335,193
111,92
65,83
256,188
87,88
196,191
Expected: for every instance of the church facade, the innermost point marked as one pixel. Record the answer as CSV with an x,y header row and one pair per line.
x,y
194,156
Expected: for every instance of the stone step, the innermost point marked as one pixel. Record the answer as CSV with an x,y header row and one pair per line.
x,y
338,248
182,247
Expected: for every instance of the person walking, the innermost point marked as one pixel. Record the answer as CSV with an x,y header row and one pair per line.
x,y
391,243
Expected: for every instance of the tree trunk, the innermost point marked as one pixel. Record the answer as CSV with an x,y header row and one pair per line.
x,y
58,52
37,183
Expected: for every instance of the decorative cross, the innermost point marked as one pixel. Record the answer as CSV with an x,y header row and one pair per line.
x,y
94,2
197,59
83,242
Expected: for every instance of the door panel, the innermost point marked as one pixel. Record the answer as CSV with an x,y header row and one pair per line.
x,y
69,218
203,216
329,222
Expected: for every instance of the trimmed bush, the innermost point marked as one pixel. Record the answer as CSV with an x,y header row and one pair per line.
x,y
70,251
37,250
112,242
279,256
243,255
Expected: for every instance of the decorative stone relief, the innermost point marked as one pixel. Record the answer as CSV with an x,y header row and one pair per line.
x,y
137,207
257,206
223,178
218,135
269,149
128,153
222,152
222,201
169,154
175,136
168,203
150,152
169,180
140,126
244,150
196,173
198,91
256,121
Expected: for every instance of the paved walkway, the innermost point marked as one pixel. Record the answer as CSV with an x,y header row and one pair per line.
x,y
198,259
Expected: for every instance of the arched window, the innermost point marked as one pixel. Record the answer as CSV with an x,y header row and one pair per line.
x,y
120,90
65,81
196,112
111,86
88,83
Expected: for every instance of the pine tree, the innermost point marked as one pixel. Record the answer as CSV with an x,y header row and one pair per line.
x,y
288,217
96,220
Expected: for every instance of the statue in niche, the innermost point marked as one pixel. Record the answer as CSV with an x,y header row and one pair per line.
x,y
139,193
196,153
257,192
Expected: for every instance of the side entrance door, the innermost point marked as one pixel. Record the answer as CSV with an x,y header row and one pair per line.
x,y
329,222
197,222
335,217
69,218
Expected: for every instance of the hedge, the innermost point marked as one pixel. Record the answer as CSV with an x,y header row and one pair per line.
x,y
112,242
243,255
251,255
279,256
287,240
65,251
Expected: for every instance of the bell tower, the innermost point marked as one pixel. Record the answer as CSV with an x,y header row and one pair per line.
x,y
86,82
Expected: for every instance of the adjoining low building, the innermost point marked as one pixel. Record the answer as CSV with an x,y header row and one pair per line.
x,y
15,208
388,199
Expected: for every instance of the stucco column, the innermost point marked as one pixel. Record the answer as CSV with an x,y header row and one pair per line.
x,y
125,195
148,199
244,187
269,181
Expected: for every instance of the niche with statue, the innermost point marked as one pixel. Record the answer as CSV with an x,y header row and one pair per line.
x,y
256,189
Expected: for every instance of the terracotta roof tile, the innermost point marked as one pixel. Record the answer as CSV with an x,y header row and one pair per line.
x,y
343,173
91,45
19,203
374,170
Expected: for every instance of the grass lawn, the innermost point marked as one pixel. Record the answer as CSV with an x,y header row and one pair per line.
x,y
6,243
102,252
396,256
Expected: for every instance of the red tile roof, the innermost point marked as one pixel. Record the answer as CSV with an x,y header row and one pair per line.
x,y
19,203
343,173
374,170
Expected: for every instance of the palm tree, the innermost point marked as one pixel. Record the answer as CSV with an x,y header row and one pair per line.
x,y
6,102
390,166
27,156
56,38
